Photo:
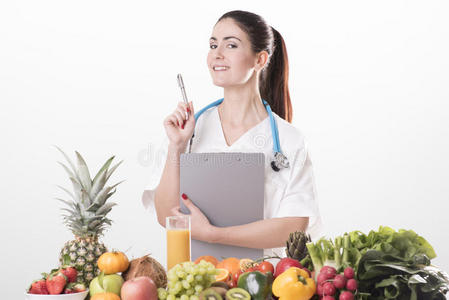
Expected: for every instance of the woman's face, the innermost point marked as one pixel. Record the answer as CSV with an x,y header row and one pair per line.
x,y
231,60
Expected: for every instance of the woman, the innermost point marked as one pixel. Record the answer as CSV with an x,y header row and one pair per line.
x,y
248,59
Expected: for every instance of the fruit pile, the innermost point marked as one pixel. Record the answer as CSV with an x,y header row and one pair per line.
x,y
58,281
331,285
187,280
109,282
255,279
382,264
141,276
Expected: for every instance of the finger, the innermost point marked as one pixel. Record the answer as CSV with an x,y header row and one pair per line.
x,y
191,121
183,112
182,106
175,211
171,120
179,117
187,202
191,108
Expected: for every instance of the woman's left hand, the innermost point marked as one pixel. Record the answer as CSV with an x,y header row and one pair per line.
x,y
200,227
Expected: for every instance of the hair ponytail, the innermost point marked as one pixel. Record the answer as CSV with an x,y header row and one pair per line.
x,y
273,81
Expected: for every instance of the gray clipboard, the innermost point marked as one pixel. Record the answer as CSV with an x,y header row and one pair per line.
x,y
228,187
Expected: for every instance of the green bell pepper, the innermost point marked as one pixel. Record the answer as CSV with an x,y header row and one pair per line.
x,y
257,284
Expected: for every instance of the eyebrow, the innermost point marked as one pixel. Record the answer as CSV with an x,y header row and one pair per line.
x,y
226,38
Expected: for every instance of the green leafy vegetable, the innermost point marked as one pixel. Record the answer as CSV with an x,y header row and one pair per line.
x,y
386,276
348,249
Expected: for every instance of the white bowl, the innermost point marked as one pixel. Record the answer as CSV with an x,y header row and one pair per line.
x,y
75,296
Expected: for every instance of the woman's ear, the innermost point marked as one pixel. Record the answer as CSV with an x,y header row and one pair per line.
x,y
262,59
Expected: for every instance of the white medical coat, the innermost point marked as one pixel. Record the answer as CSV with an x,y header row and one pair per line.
x,y
290,192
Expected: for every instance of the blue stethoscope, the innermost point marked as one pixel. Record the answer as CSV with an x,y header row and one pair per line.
x,y
279,160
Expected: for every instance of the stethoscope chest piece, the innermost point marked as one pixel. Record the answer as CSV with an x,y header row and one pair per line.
x,y
279,161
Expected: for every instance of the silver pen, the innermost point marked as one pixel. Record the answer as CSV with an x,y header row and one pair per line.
x,y
184,96
183,91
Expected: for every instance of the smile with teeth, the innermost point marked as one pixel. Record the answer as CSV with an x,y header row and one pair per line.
x,y
220,68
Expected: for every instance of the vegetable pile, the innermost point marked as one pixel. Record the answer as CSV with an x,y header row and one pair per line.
x,y
388,264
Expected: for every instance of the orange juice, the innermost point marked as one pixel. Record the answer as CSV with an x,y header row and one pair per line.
x,y
178,246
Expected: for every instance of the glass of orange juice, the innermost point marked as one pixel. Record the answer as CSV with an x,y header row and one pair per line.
x,y
178,240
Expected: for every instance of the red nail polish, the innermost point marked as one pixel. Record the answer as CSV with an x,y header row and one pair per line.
x,y
182,127
188,109
184,196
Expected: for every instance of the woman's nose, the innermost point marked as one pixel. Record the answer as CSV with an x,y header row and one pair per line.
x,y
218,52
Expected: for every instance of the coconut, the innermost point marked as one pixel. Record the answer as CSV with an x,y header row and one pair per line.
x,y
146,266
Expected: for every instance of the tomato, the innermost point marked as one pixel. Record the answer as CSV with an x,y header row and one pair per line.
x,y
236,275
265,267
232,284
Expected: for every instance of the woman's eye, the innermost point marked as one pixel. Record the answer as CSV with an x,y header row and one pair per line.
x,y
229,46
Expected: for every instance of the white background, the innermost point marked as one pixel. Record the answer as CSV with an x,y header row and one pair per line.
x,y
368,80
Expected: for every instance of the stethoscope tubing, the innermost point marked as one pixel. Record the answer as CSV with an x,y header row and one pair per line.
x,y
273,125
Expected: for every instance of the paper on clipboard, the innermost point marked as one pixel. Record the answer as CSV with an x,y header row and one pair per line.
x,y
228,187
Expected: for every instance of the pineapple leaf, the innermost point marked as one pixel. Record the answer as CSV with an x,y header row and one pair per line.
x,y
67,210
83,172
71,174
67,191
113,169
109,195
106,208
70,204
98,183
85,200
77,188
94,224
100,199
103,168
68,159
113,186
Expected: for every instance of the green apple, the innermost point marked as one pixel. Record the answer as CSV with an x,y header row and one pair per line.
x,y
106,283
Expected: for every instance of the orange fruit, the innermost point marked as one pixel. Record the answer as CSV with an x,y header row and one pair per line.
x,y
244,263
208,258
105,296
223,275
231,264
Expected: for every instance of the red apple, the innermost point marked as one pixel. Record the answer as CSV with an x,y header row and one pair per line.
x,y
284,264
139,288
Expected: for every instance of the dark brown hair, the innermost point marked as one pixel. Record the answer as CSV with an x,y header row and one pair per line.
x,y
273,82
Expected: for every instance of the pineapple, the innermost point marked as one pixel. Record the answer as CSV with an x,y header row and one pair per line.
x,y
86,215
296,245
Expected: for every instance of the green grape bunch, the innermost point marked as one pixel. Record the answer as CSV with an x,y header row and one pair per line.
x,y
187,280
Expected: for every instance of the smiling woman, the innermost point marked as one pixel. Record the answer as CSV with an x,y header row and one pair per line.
x,y
248,59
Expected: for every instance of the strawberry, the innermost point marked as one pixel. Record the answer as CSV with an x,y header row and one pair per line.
x,y
56,283
79,287
70,272
38,287
69,289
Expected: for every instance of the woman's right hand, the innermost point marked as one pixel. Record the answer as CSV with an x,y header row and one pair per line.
x,y
178,129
